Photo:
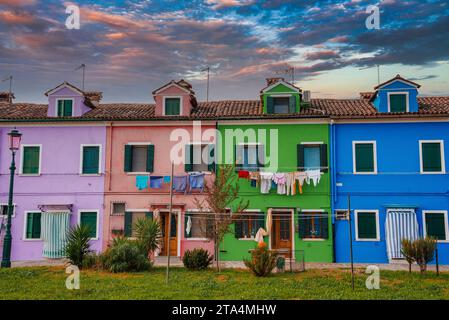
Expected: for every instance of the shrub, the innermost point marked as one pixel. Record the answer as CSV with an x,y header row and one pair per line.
x,y
91,261
77,245
420,251
148,234
262,261
125,256
197,259
280,263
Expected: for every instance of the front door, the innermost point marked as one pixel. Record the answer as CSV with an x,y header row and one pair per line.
x,y
169,237
281,238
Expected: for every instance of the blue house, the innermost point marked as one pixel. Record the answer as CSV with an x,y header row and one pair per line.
x,y
390,161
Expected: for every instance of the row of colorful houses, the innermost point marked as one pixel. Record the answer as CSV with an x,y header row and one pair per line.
x,y
299,160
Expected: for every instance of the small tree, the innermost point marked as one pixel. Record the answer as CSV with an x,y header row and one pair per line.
x,y
220,195
420,251
77,246
408,251
148,235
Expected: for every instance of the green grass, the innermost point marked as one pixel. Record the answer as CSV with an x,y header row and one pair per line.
x,y
49,283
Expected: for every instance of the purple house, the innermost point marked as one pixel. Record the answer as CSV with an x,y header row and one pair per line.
x,y
60,172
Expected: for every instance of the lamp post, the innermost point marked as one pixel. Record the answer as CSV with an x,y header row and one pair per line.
x,y
14,144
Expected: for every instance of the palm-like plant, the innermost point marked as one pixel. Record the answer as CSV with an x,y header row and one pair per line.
x,y
77,245
148,234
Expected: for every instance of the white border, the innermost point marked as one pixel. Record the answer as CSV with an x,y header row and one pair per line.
x,y
407,106
22,158
24,238
180,105
56,106
446,227
354,167
356,213
80,211
100,153
443,161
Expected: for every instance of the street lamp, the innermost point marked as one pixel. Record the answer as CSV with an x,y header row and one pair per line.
x,y
14,144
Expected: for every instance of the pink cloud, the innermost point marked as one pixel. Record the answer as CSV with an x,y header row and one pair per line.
x,y
17,3
10,17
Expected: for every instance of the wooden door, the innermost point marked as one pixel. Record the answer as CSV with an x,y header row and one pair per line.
x,y
282,233
171,237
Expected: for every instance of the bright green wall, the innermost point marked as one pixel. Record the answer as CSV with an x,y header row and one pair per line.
x,y
289,135
280,88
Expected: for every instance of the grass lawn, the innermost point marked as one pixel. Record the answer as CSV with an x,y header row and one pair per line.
x,y
49,283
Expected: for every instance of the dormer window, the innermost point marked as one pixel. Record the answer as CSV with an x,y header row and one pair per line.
x,y
398,102
280,105
172,106
64,108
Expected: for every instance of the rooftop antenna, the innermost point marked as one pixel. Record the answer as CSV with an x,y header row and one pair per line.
x,y
207,88
378,72
290,71
82,66
10,88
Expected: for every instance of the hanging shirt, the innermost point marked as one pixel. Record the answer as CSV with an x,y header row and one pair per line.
x,y
167,179
141,182
196,181
301,177
314,176
180,183
265,182
280,180
243,174
156,182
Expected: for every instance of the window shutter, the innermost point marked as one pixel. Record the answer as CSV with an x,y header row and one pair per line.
x,y
435,226
149,215
398,103
188,165
325,225
68,106
211,163
128,158
29,233
60,108
90,219
91,156
364,157
36,225
300,156
128,224
238,227
303,225
323,158
270,105
261,221
31,160
366,225
431,154
150,158
292,104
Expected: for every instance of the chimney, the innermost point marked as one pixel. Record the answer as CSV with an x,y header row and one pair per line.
x,y
94,97
271,81
6,97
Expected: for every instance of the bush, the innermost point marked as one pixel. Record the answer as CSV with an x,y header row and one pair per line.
x,y
125,256
91,261
197,259
77,245
262,261
420,251
148,234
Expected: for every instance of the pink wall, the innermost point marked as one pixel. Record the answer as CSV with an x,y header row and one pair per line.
x,y
173,91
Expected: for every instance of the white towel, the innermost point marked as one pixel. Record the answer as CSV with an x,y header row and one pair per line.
x,y
314,176
189,225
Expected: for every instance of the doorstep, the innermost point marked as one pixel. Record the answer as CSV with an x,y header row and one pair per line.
x,y
39,263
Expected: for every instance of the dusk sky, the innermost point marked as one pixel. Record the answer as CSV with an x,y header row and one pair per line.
x,y
133,47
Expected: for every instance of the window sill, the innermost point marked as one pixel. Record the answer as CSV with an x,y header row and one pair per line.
x,y
29,174
90,174
32,240
365,173
246,239
368,240
207,173
432,173
196,239
138,173
314,239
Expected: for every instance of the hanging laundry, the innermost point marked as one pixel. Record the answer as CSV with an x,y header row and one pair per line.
x,y
280,180
156,182
255,178
180,183
301,177
265,182
253,183
141,182
314,176
290,183
167,179
243,174
196,181
189,225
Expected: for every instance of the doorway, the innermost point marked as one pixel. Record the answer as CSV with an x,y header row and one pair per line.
x,y
169,236
282,234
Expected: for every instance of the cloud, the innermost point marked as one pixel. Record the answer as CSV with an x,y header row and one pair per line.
x,y
17,18
17,3
220,4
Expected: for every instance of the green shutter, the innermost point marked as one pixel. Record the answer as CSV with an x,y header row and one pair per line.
x,y
31,160
33,227
366,225
323,158
128,224
188,165
238,228
270,105
431,157
29,234
149,215
436,226
90,219
261,221
364,157
211,163
150,158
304,225
91,157
292,104
128,158
300,156
172,106
398,103
68,106
324,225
60,108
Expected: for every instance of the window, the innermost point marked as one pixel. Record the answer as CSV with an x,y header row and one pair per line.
x,y
281,104
312,156
364,157
432,156
250,156
30,163
139,158
341,214
90,159
65,107
4,209
196,225
32,225
398,102
90,219
367,225
118,208
436,225
247,224
131,217
172,106
200,157
313,225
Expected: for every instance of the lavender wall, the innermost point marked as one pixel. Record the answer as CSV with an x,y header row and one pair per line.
x,y
59,183
66,93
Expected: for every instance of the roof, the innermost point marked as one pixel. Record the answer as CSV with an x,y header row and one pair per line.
x,y
273,82
398,77
181,84
228,110
64,85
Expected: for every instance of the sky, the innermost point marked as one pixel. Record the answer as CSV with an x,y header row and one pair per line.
x,y
131,48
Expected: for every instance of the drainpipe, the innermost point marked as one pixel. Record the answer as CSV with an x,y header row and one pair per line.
x,y
333,183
